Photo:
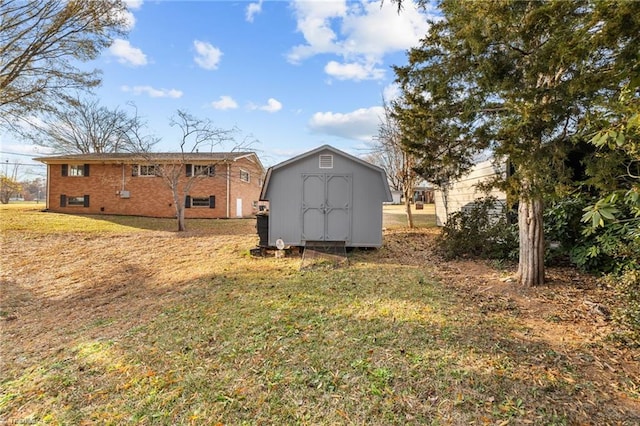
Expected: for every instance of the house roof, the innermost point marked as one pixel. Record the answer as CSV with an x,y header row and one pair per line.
x,y
160,157
314,152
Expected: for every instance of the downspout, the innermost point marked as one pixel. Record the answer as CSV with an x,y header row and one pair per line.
x,y
228,190
123,181
46,197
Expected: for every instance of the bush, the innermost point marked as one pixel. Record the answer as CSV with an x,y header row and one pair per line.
x,y
627,314
563,226
479,230
603,249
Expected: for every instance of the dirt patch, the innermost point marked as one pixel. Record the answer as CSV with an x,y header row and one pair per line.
x,y
571,313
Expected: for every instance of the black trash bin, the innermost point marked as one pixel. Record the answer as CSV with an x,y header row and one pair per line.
x,y
262,225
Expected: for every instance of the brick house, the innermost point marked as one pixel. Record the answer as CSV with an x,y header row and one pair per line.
x,y
224,184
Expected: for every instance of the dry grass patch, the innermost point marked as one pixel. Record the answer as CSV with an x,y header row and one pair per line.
x,y
134,325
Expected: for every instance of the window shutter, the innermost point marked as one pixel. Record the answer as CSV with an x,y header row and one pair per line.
x,y
86,170
86,201
187,202
65,170
212,201
189,169
63,200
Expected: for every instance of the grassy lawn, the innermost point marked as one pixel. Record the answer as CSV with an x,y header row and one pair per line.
x,y
116,320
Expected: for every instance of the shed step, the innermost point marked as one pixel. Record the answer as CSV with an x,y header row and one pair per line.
x,y
324,253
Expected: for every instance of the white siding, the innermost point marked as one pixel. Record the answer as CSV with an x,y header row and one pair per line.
x,y
465,190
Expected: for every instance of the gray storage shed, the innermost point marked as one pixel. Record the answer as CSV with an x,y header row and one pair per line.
x,y
325,195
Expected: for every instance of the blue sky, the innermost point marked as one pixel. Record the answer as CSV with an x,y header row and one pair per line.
x,y
292,74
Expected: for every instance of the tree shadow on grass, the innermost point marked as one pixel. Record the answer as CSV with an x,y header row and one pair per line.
x,y
203,226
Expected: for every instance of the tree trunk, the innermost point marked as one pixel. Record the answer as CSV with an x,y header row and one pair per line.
x,y
531,263
181,224
445,202
179,211
407,207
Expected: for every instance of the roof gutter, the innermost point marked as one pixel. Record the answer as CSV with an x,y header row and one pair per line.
x,y
228,190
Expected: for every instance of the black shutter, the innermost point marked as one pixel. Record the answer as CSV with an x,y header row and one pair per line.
x,y
86,201
63,200
187,202
212,201
65,170
189,169
86,170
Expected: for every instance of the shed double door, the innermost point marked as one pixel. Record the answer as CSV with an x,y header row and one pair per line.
x,y
326,207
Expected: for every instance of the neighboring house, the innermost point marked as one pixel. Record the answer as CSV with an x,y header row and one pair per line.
x,y
423,194
464,192
227,184
396,197
325,195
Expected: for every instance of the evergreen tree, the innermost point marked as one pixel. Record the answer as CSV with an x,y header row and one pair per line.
x,y
519,78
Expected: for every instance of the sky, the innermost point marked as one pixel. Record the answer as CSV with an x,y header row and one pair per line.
x,y
292,75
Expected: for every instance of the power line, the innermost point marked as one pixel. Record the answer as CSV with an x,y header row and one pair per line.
x,y
18,153
23,164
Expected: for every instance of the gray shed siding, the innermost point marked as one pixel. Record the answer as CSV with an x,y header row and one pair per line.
x,y
355,191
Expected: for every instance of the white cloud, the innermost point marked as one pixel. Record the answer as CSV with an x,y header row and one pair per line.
x,y
128,19
127,54
314,21
153,92
207,55
391,92
360,33
225,102
361,124
273,105
353,71
126,16
253,9
134,4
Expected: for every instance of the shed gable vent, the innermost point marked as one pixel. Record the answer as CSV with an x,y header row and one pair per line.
x,y
326,161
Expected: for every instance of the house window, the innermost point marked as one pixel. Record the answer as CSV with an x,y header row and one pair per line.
x,y
77,201
144,170
209,202
326,161
244,175
200,202
75,170
204,170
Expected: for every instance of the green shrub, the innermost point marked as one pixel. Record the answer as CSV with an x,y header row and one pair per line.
x,y
607,249
612,247
563,227
479,230
627,314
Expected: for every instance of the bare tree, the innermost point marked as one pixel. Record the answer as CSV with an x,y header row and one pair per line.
x,y
40,43
390,154
84,126
9,185
34,189
198,135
